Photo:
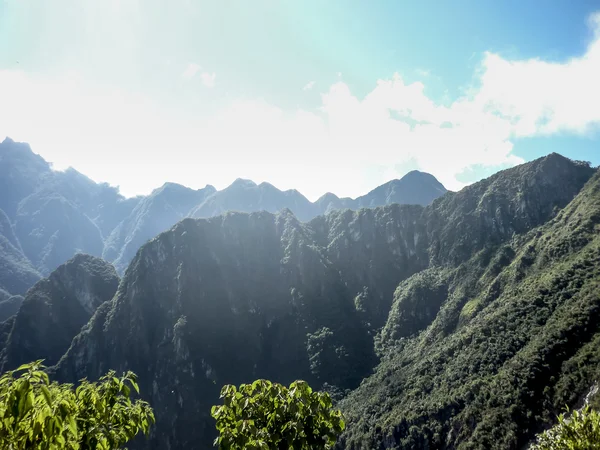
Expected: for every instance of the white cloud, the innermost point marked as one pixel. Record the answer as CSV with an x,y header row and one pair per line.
x,y
191,70
348,145
208,79
308,86
542,98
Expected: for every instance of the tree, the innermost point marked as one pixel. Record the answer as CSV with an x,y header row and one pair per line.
x,y
579,431
38,415
265,415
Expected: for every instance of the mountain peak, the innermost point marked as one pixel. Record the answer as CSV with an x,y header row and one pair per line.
x,y
242,182
415,187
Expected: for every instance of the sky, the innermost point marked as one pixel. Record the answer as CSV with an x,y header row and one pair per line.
x,y
321,96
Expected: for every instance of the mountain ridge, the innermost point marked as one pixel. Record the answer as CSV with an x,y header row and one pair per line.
x,y
48,216
284,299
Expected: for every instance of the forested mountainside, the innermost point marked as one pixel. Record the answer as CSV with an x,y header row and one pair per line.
x,y
55,310
467,323
485,354
46,217
490,329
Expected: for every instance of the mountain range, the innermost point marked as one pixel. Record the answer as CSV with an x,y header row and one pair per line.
x,y
48,216
465,322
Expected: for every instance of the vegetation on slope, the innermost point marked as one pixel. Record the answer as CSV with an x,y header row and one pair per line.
x,y
238,297
485,355
55,309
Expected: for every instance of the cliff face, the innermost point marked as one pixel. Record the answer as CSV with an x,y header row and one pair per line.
x,y
55,310
242,296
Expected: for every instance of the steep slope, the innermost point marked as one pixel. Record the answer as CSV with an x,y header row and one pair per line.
x,y
100,202
158,212
55,309
485,355
51,230
16,272
21,173
48,216
238,297
6,230
10,306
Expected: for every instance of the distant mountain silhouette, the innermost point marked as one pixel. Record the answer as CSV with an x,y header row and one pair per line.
x,y
48,216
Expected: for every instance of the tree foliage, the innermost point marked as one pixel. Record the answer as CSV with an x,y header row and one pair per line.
x,y
578,431
36,414
265,415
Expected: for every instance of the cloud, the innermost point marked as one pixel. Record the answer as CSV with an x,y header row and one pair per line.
x,y
208,79
347,145
543,98
191,70
308,86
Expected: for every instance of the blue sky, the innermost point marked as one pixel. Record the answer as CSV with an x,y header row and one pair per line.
x,y
336,96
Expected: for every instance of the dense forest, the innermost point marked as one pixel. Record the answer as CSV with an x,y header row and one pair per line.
x,y
466,320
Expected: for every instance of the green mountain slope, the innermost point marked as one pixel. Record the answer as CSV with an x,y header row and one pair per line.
x,y
54,310
242,296
485,354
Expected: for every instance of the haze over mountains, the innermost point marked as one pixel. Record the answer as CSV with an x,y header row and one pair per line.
x,y
47,216
465,323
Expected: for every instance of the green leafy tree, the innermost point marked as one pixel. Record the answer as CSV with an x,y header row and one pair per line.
x,y
578,431
266,416
36,414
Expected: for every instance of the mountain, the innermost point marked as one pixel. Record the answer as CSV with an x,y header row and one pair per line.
x,y
48,216
21,173
470,320
17,273
247,196
55,309
485,354
9,306
414,188
153,214
52,229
